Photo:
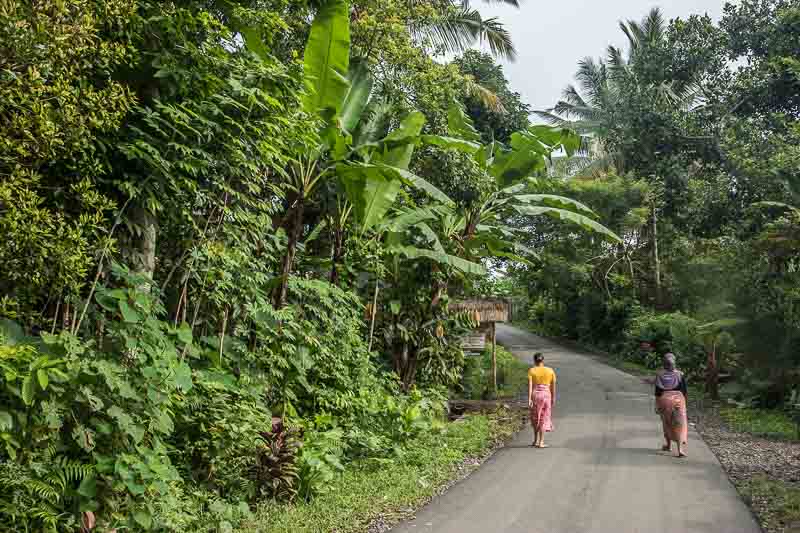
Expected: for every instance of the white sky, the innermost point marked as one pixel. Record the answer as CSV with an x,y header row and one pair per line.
x,y
552,38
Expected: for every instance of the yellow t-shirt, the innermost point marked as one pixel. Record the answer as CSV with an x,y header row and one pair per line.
x,y
542,375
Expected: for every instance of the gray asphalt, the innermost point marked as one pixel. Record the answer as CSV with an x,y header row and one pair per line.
x,y
604,472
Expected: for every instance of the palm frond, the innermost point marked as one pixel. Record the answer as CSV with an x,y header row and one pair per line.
x,y
552,119
653,25
464,27
572,97
487,97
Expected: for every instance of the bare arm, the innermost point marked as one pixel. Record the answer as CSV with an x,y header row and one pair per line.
x,y
553,393
530,391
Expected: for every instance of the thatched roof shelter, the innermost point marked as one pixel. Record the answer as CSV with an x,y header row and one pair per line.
x,y
490,309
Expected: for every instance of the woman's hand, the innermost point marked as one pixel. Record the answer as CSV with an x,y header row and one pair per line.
x,y
530,403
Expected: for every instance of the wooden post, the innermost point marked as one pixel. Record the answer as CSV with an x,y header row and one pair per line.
x,y
494,358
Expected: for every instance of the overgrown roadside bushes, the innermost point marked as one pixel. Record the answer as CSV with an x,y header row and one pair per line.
x,y
386,489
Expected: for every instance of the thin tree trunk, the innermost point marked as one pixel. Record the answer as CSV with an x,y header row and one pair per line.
x,y
656,260
55,317
65,323
372,318
144,262
296,226
222,334
494,358
712,373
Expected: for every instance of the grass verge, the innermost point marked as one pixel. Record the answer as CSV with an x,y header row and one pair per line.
x,y
776,502
390,490
771,424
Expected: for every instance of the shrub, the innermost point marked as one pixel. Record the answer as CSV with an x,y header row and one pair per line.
x,y
650,336
512,375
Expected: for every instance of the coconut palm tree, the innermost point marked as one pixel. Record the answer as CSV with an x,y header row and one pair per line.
x,y
592,107
589,110
460,26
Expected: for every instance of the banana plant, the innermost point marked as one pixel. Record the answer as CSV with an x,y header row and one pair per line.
x,y
479,229
371,172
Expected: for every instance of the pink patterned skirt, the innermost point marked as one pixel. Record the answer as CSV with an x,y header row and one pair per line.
x,y
671,405
542,411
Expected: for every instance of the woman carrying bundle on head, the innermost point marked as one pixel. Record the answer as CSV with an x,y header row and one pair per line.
x,y
541,399
671,398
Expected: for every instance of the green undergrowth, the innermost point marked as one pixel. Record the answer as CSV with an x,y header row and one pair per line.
x,y
776,502
512,375
771,424
386,488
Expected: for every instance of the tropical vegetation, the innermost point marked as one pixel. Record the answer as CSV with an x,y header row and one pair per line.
x,y
689,155
231,231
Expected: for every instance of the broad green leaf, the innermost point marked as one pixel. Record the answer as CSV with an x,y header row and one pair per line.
x,y
526,156
185,333
431,236
143,518
371,190
395,306
357,94
315,233
451,143
514,189
254,42
11,332
183,377
399,144
41,375
327,58
405,219
163,422
411,179
88,486
28,389
460,125
128,313
553,200
456,262
557,138
6,421
126,423
569,216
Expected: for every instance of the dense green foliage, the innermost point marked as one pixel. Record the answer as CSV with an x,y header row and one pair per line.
x,y
372,488
229,247
691,158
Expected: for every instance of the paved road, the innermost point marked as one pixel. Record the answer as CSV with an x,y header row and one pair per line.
x,y
603,473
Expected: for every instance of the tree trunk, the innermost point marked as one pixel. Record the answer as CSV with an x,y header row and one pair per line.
x,y
372,318
712,373
295,228
405,365
656,260
144,261
494,358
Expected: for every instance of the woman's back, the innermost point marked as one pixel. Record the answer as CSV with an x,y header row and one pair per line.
x,y
542,375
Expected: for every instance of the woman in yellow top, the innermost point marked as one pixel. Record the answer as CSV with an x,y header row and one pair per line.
x,y
541,399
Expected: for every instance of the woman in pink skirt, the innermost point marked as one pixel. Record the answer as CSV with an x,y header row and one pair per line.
x,y
541,399
671,405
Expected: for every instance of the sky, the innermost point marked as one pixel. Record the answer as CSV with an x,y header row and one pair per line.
x,y
550,42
